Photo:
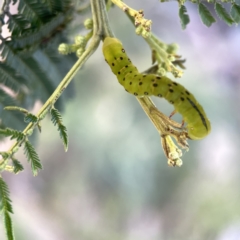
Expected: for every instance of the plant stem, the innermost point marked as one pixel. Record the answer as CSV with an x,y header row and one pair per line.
x,y
132,12
97,32
107,31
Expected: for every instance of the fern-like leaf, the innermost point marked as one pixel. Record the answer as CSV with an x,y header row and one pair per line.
x,y
8,225
235,13
57,120
205,14
63,134
6,208
10,78
13,133
18,167
30,118
9,118
17,23
31,66
4,196
36,37
223,14
32,157
183,16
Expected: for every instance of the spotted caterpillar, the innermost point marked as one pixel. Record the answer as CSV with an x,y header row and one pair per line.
x,y
198,125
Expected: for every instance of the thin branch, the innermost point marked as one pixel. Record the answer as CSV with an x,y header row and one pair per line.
x,y
107,31
97,32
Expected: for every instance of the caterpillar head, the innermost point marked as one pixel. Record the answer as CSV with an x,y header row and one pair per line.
x,y
199,131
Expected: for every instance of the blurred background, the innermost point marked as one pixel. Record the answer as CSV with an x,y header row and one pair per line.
x,y
114,181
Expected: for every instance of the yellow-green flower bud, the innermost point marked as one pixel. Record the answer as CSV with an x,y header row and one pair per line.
x,y
64,48
172,48
80,41
79,52
138,30
88,23
145,33
161,71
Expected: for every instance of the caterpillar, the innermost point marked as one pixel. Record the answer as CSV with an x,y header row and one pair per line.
x,y
198,125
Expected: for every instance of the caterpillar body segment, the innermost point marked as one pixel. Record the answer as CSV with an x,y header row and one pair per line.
x,y
198,125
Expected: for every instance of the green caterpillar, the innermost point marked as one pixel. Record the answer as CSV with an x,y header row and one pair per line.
x,y
198,125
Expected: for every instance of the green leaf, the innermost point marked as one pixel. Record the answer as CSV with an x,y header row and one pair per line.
x,y
57,119
32,157
18,167
235,13
56,116
30,118
13,133
183,16
8,225
223,14
11,78
15,108
63,134
205,15
4,196
6,208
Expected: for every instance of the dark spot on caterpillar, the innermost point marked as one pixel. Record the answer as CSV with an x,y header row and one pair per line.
x,y
140,83
130,71
159,95
172,102
115,58
169,84
144,75
119,73
182,98
171,90
123,50
106,60
126,90
155,84
135,94
153,80
130,83
158,77
129,60
187,92
145,93
199,112
113,64
135,75
123,79
175,83
121,58
126,66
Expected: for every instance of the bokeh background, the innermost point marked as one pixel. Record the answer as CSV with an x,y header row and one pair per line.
x,y
114,181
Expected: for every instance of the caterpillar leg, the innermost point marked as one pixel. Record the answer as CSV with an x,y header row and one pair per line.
x,y
182,124
167,120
